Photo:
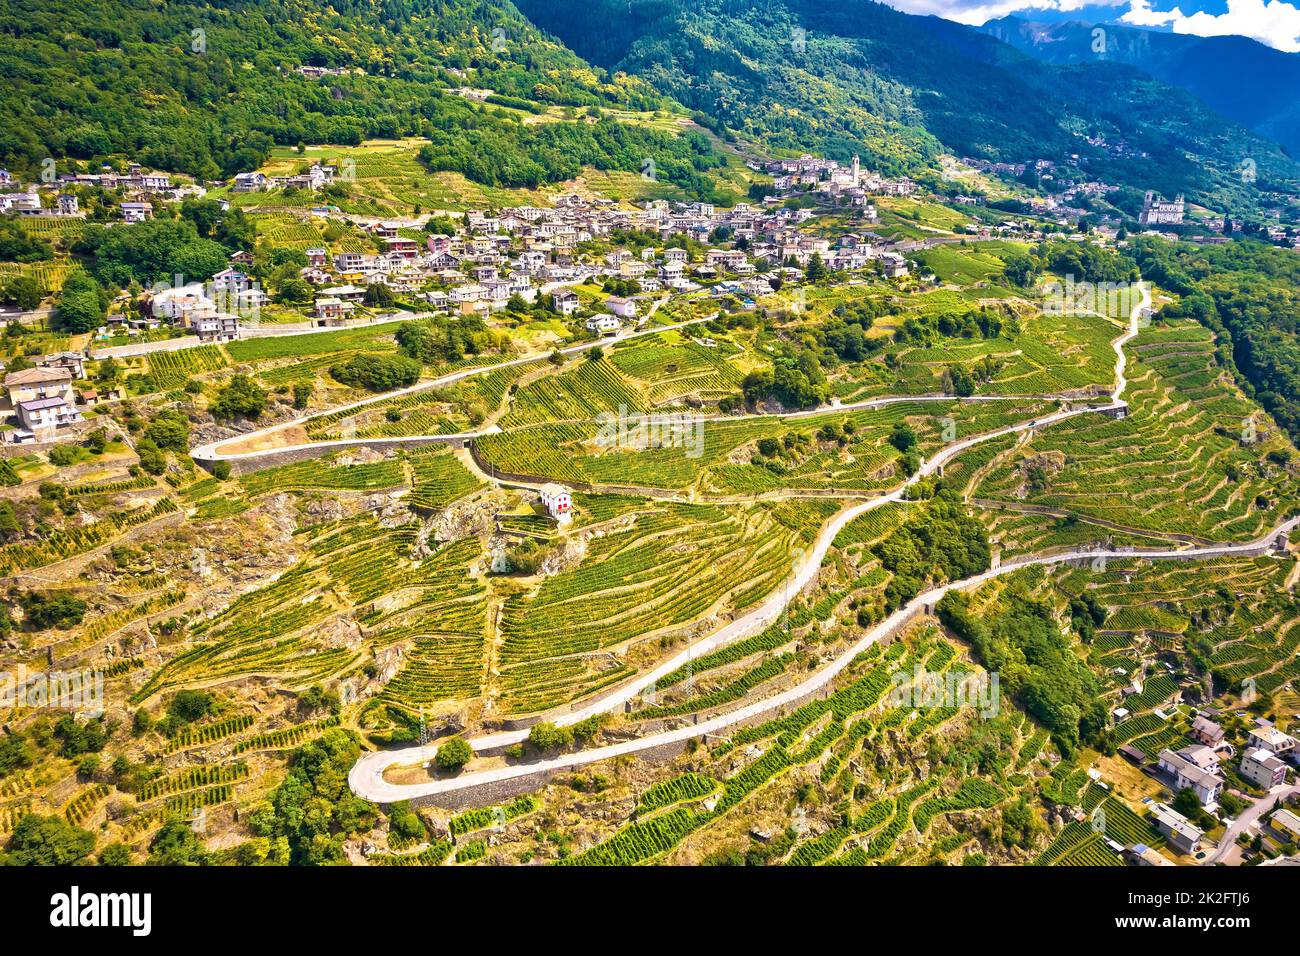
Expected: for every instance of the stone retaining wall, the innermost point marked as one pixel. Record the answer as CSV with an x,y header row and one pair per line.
x,y
287,456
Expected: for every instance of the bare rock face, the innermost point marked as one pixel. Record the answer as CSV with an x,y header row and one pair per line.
x,y
389,509
461,519
568,555
1048,464
388,662
361,456
339,632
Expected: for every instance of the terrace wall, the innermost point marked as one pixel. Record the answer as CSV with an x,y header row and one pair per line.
x,y
288,456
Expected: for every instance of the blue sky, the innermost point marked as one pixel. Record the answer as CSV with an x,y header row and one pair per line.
x,y
1275,22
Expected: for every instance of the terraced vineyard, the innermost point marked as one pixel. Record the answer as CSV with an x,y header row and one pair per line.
x,y
291,628
671,566
171,370
1190,455
721,457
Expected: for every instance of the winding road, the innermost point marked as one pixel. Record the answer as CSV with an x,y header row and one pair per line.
x,y
212,451
367,775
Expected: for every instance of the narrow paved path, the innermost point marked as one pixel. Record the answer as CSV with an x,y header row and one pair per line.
x,y
367,776
1248,816
213,450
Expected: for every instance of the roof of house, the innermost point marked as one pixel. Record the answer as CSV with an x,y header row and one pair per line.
x,y
35,376
1285,819
1194,774
1265,758
1273,736
1175,821
1205,725
1200,755
40,404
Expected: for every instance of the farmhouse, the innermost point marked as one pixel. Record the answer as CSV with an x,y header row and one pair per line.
x,y
557,500
625,308
43,400
1207,732
603,324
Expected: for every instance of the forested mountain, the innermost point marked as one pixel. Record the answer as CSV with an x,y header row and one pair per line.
x,y
862,76
1246,81
207,88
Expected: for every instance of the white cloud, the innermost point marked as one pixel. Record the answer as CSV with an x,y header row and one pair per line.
x,y
1274,22
976,12
1140,14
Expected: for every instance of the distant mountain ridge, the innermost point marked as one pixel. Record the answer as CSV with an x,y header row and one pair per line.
x,y
1244,80
859,76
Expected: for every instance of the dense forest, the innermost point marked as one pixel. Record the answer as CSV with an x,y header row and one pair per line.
x,y
208,88
501,152
1036,664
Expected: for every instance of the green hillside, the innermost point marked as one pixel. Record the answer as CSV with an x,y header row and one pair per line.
x,y
862,77
209,88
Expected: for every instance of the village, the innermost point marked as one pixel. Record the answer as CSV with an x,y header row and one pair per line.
x,y
528,255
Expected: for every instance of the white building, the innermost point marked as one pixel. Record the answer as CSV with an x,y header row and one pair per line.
x,y
1262,768
1187,776
1161,212
625,308
557,501
604,324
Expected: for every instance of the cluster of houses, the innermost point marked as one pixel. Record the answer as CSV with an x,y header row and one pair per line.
x,y
211,311
316,72
141,188
530,251
828,178
1198,767
316,176
39,401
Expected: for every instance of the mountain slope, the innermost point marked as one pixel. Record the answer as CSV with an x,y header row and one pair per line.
x,y
207,88
1248,82
899,88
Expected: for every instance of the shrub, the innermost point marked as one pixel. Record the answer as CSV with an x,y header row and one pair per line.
x,y
546,736
454,753
242,398
377,373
